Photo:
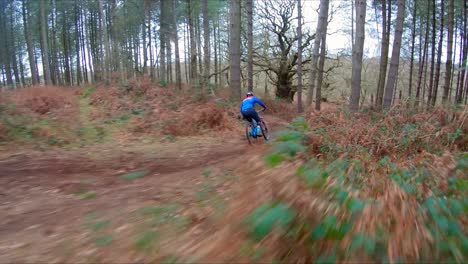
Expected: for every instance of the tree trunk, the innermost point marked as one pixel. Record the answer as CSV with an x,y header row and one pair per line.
x,y
145,52
413,37
464,50
176,46
45,48
394,62
249,6
323,37
77,43
5,50
299,56
448,64
105,40
215,44
439,56
433,52
199,45
321,24
12,49
162,43
206,47
422,63
186,49
386,22
318,97
193,47
234,51
358,48
29,44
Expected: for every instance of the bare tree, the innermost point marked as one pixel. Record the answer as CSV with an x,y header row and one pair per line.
x,y
278,57
358,48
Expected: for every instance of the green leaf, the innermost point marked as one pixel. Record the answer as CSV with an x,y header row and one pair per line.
x,y
341,196
456,207
146,240
290,147
169,260
266,217
103,240
99,225
274,159
369,245
314,177
355,205
319,232
134,175
330,259
357,242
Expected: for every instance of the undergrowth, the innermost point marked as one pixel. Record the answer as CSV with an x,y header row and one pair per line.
x,y
46,117
368,188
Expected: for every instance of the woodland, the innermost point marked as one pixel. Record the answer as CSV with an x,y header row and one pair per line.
x,y
121,138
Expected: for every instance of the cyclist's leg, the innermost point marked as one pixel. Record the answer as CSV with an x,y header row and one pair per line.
x,y
256,117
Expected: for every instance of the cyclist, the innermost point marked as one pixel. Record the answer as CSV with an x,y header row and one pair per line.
x,y
248,110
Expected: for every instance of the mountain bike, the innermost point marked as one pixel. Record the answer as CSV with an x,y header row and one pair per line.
x,y
252,133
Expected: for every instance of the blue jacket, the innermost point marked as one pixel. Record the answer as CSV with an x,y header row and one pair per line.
x,y
249,103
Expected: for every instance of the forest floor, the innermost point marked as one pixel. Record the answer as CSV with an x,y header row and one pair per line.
x,y
129,203
146,174
164,199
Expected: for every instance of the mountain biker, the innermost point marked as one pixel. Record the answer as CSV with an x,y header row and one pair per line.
x,y
247,107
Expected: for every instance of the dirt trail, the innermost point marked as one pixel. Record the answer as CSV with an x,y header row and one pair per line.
x,y
53,202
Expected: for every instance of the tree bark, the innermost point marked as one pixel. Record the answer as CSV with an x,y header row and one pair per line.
x,y
299,57
394,62
45,47
321,24
193,48
176,46
386,22
206,47
323,43
106,69
448,64
249,6
358,48
234,51
29,44
439,57
318,94
464,50
162,43
422,63
433,53
413,37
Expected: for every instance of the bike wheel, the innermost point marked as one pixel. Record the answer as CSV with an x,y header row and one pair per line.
x,y
264,129
247,132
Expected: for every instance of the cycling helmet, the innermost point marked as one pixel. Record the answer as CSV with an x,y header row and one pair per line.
x,y
249,94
